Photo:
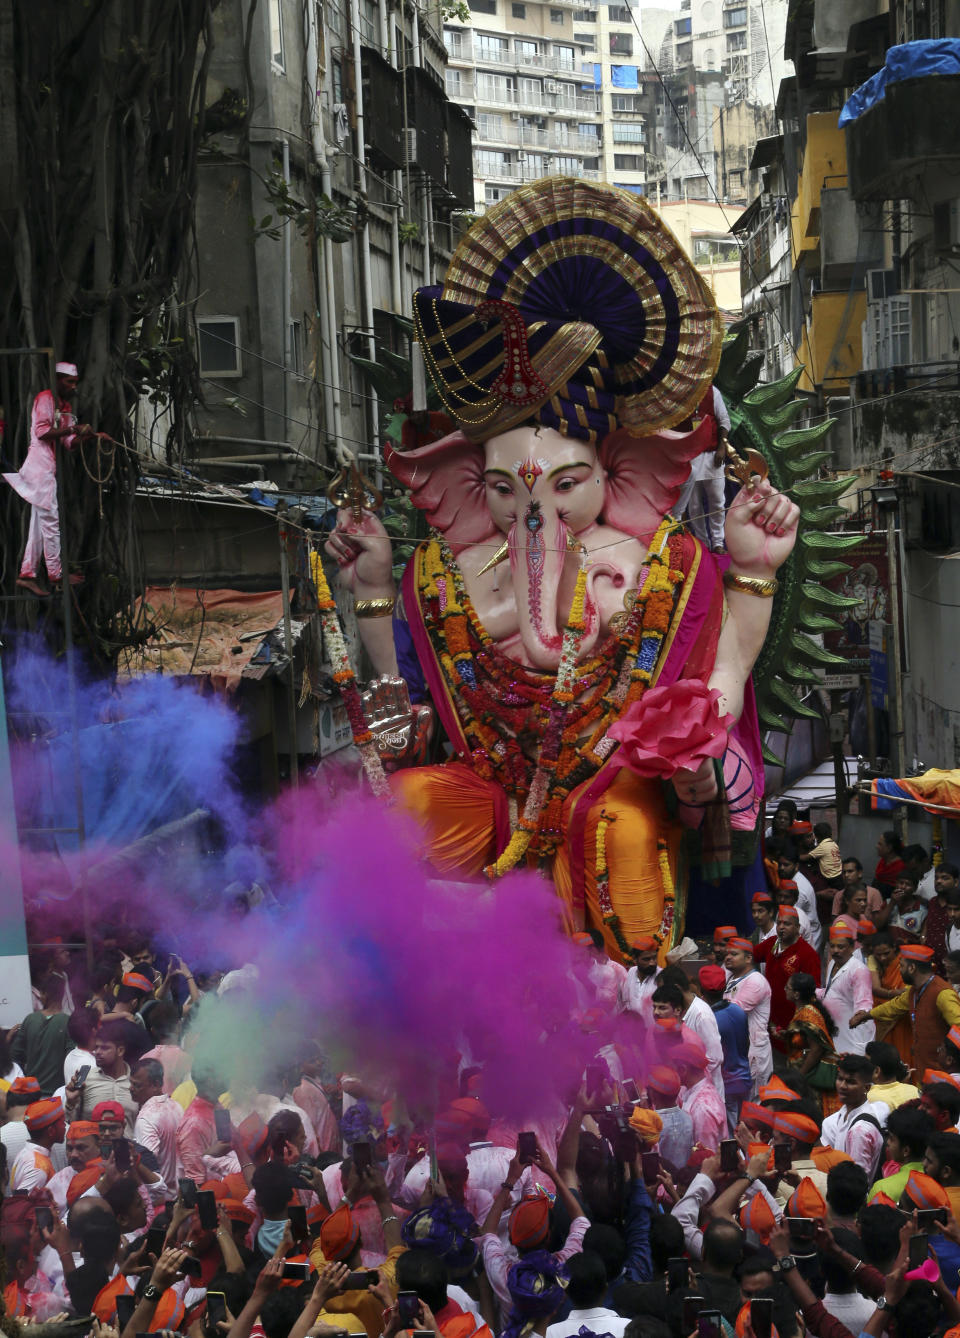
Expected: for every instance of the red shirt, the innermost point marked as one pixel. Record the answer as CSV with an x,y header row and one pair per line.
x,y
778,967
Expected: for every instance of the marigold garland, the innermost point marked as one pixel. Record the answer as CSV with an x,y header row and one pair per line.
x,y
345,678
501,704
610,917
669,892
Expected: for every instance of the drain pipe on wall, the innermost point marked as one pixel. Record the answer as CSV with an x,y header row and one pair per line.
x,y
326,301
366,294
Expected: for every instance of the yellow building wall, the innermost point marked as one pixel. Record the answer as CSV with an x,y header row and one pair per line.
x,y
835,319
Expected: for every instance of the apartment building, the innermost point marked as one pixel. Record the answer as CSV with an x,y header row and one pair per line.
x,y
341,106
741,39
850,268
523,72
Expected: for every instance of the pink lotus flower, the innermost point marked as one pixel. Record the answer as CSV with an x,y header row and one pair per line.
x,y
671,729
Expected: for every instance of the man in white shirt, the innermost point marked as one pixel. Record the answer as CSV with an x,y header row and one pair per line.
x,y
14,1134
636,991
748,989
763,908
109,1081
846,990
699,1017
598,978
586,1290
854,1128
46,1127
158,1120
788,864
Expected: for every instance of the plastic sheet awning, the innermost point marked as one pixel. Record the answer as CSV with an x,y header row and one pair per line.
x,y
215,633
909,60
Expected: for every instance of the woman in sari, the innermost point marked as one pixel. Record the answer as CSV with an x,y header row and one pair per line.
x,y
884,963
808,1038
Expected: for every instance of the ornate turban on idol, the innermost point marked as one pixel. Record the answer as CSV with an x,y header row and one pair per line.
x,y
572,304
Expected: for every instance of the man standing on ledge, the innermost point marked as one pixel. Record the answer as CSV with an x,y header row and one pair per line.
x,y
931,1004
51,420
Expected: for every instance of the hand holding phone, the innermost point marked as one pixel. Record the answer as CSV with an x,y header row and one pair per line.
x,y
121,1154
188,1193
409,1310
782,1157
216,1311
221,1120
207,1209
362,1157
692,1305
678,1275
650,1167
918,1251
729,1156
526,1147
761,1316
298,1220
709,1324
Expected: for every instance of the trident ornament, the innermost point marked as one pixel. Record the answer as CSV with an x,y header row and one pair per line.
x,y
351,491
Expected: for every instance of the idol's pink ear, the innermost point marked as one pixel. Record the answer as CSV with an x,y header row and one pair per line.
x,y
446,482
645,476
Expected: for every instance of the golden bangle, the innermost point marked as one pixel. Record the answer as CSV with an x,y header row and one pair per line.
x,y
751,585
374,608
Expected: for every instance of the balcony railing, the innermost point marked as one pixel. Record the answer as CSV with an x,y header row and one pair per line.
x,y
524,172
550,62
496,130
534,100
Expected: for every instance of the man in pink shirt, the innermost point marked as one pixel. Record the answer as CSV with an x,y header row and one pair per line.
x,y
51,421
158,1120
202,1154
698,1096
748,989
311,1098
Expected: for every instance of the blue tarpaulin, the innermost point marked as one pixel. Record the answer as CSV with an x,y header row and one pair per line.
x,y
624,76
597,73
910,60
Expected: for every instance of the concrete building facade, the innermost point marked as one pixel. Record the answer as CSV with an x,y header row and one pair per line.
x,y
849,268
523,72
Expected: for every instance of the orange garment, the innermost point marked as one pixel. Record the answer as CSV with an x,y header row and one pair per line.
x,y
953,1194
900,1034
15,1301
362,1305
105,1302
639,812
455,808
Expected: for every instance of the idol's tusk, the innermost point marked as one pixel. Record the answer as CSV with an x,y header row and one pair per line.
x,y
501,555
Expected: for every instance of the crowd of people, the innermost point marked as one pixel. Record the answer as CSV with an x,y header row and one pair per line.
x,y
780,1155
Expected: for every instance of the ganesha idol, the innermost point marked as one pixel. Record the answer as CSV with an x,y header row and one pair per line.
x,y
587,658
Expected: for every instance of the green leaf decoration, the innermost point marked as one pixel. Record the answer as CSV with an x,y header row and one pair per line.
x,y
825,567
800,439
806,464
836,543
770,757
819,594
822,490
791,703
815,653
774,393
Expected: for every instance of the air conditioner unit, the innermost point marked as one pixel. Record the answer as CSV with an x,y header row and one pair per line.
x,y
514,116
550,86
521,157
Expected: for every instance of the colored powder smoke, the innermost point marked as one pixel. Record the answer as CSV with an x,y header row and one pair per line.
x,y
393,971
